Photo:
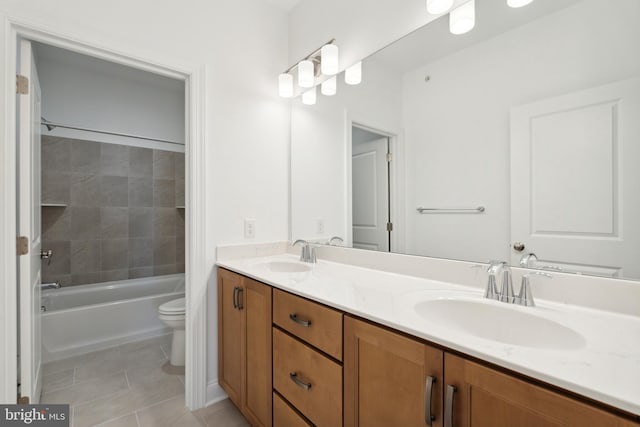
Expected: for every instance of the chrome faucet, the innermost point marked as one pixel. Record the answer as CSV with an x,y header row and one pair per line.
x,y
308,252
336,238
506,292
528,260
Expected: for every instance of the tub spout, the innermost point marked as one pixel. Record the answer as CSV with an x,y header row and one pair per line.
x,y
52,285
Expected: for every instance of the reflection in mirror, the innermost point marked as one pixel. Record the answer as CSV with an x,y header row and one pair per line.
x,y
519,137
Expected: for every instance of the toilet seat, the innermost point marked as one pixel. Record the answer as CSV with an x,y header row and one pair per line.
x,y
175,307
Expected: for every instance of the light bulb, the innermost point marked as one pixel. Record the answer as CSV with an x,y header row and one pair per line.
x,y
353,74
518,3
329,87
329,65
309,97
462,19
437,7
306,75
285,85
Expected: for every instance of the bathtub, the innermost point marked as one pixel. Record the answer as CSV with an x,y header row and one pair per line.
x,y
81,319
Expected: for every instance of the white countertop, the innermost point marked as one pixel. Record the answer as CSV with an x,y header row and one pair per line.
x,y
605,367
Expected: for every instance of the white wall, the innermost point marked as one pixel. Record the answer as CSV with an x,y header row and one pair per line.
x,y
82,91
457,125
319,151
360,27
243,44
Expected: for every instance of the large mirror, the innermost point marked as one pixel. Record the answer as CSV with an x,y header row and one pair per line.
x,y
521,136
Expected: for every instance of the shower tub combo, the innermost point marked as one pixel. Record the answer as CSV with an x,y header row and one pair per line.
x,y
81,319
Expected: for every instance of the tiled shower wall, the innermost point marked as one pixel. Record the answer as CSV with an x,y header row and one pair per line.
x,y
123,216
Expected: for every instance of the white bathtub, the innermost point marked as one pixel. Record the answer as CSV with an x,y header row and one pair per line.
x,y
82,319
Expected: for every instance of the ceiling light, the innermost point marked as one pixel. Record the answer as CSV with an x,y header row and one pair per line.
x,y
353,74
329,87
329,65
285,85
462,19
306,75
437,7
518,3
309,97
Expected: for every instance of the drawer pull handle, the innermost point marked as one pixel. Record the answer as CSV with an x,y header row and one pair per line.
x,y
235,297
429,418
301,384
301,322
448,406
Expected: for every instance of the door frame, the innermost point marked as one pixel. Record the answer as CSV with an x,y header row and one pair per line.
x,y
196,274
396,184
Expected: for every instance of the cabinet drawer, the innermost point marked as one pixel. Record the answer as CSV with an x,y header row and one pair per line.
x,y
316,324
285,416
309,380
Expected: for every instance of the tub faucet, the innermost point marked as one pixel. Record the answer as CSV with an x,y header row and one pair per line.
x,y
308,253
52,285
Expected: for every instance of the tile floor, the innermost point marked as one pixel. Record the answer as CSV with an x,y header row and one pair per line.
x,y
127,387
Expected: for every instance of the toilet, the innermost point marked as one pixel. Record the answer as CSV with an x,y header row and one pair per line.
x,y
172,314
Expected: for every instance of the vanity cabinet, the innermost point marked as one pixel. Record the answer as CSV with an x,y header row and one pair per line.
x,y
307,355
331,368
390,380
479,396
244,343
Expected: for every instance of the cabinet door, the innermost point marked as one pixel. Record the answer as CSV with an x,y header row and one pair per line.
x,y
484,397
230,344
387,378
255,300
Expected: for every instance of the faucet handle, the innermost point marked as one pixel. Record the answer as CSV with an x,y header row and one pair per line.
x,y
525,296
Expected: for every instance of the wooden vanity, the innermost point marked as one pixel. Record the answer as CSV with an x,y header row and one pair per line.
x,y
288,361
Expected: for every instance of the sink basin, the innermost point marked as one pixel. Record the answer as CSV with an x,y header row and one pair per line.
x,y
495,322
286,267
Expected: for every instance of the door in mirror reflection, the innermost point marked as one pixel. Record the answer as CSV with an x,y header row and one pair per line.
x,y
371,217
574,178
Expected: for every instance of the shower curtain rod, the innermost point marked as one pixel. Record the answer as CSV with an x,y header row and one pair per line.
x,y
52,125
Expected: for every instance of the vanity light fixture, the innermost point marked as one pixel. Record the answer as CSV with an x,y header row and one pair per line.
x,y
309,97
329,87
306,73
463,18
437,7
518,3
353,74
285,85
322,61
329,64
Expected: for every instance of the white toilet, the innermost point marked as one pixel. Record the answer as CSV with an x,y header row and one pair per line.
x,y
172,313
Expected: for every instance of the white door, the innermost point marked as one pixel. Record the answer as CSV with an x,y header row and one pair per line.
x,y
574,169
29,272
370,182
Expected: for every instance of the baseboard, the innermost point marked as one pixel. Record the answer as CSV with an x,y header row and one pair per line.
x,y
215,393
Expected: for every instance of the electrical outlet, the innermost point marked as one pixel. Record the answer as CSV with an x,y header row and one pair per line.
x,y
320,226
249,228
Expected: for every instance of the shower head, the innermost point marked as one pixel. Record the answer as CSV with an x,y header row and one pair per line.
x,y
48,124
